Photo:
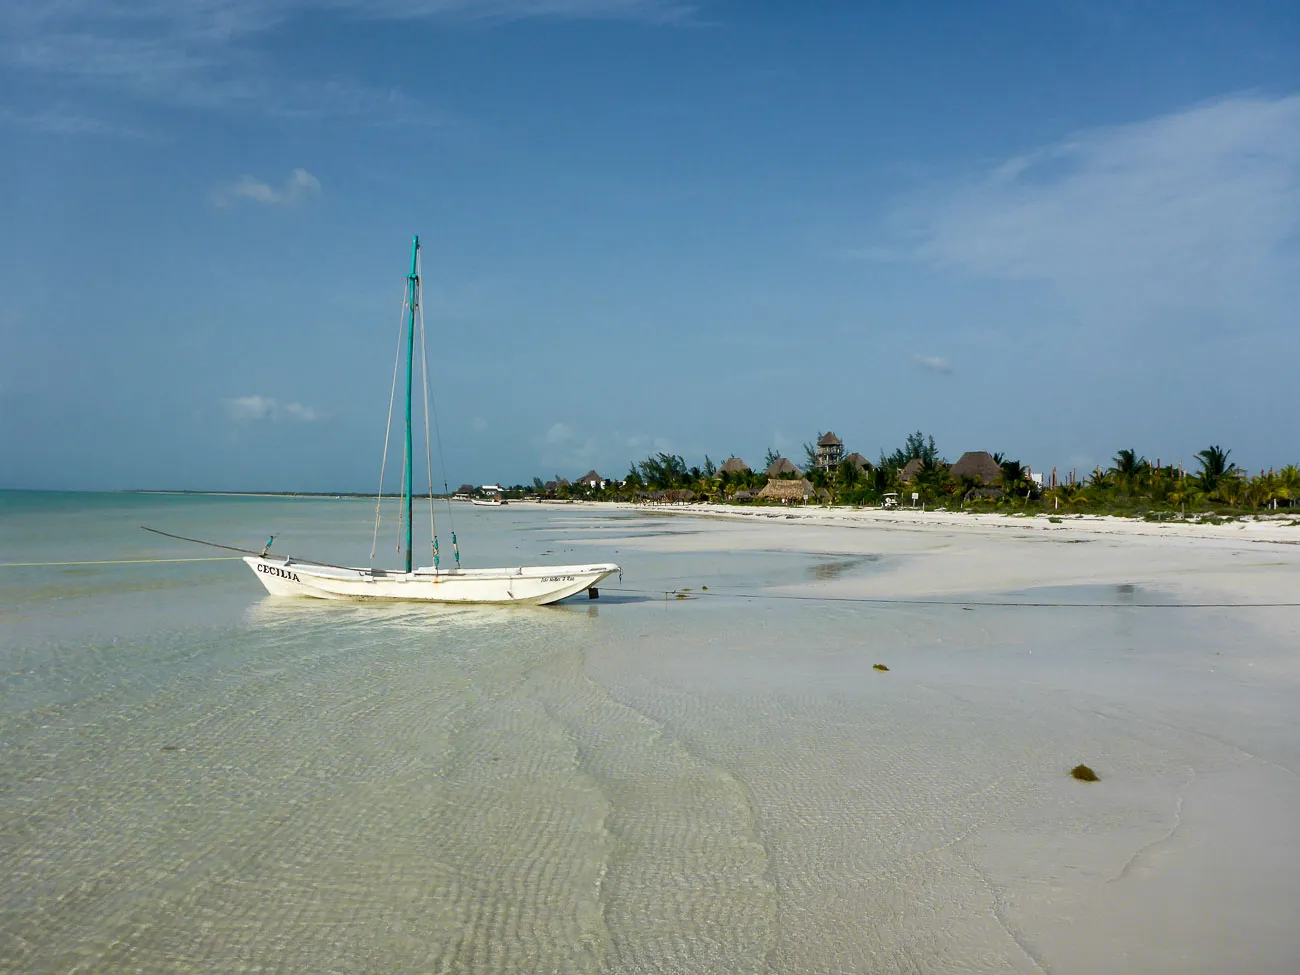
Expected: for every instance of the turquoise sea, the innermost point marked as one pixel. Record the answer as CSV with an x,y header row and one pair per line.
x,y
197,777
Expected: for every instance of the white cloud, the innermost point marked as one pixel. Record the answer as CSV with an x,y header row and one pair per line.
x,y
211,54
559,433
1195,211
255,409
933,363
561,448
60,120
299,412
300,185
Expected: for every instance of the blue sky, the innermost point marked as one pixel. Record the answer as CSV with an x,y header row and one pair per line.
x,y
1051,229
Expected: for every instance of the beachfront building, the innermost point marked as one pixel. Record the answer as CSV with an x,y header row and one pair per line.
x,y
830,451
591,480
911,469
858,461
464,492
733,465
980,465
782,468
787,491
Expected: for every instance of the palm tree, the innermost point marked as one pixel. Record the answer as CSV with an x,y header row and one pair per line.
x,y
1013,476
1127,462
1288,483
849,475
1214,467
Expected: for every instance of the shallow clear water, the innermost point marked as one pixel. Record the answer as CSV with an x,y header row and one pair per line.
x,y
197,777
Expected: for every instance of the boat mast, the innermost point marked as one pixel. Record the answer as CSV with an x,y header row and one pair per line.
x,y
413,286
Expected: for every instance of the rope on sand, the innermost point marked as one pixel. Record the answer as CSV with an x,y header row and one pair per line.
x,y
965,603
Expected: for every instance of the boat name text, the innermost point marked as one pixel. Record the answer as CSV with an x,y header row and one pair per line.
x,y
558,579
275,570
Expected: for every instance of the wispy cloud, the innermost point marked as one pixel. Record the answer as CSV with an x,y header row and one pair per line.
x,y
300,185
561,448
263,409
59,120
1198,210
934,363
215,54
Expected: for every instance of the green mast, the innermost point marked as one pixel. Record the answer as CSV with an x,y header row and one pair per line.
x,y
413,284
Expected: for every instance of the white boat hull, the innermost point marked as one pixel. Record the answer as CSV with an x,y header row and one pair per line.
x,y
526,585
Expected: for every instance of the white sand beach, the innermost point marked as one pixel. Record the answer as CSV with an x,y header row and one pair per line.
x,y
1185,857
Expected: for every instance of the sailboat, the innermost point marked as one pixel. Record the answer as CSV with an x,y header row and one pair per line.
x,y
534,585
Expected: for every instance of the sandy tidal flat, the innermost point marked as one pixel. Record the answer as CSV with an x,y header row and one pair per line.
x,y
195,777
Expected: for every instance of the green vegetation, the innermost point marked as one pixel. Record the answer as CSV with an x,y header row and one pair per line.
x,y
1131,485
879,667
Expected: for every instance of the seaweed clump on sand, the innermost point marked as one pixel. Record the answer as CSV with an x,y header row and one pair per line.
x,y
1084,774
879,667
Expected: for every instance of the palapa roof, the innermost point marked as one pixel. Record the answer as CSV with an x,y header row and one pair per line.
x,y
782,466
912,468
733,465
858,461
742,495
978,464
465,489
777,490
591,477
829,439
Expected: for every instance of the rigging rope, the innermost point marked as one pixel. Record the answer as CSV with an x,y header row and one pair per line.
x,y
431,409
37,565
388,429
424,377
401,508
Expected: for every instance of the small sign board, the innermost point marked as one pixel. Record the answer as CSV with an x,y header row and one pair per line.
x,y
916,496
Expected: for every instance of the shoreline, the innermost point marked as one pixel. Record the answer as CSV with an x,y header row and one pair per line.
x,y
1278,529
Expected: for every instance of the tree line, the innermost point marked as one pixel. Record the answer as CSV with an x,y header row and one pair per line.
x,y
1129,485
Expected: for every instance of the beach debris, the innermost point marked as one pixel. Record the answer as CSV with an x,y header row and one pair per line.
x,y
170,748
1084,774
704,588
879,667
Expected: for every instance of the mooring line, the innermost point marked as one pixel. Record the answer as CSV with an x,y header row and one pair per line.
x,y
29,565
887,601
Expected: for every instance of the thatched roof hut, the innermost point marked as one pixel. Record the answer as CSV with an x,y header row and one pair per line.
x,y
978,464
742,495
591,479
782,467
778,490
733,465
829,439
858,461
911,469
